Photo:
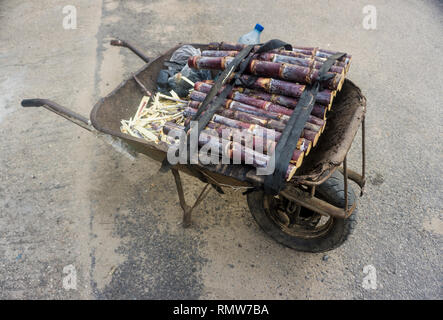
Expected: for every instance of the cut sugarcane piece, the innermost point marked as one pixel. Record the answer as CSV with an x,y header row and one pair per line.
x,y
311,136
149,116
177,98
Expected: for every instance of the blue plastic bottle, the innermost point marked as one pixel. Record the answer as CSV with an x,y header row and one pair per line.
x,y
252,37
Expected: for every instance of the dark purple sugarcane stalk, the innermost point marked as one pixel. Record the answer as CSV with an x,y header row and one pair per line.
x,y
262,104
307,51
251,140
318,110
231,148
217,53
302,60
233,123
243,120
239,47
303,144
322,53
258,135
271,85
285,88
271,102
239,106
245,117
259,98
236,105
226,46
306,61
284,71
278,70
310,51
244,98
259,109
290,72
304,56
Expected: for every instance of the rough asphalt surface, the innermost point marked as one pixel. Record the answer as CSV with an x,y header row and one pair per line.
x,y
67,198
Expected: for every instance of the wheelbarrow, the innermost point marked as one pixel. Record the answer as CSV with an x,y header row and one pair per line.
x,y
316,210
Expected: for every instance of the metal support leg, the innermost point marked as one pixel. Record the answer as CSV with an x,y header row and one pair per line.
x,y
345,175
363,156
187,210
360,179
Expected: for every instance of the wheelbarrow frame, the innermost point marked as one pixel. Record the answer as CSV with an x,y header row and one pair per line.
x,y
122,102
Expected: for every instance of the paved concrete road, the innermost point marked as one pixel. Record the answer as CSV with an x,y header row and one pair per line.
x,y
67,198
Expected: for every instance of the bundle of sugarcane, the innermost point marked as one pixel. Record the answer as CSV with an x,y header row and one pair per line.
x,y
251,119
301,64
270,89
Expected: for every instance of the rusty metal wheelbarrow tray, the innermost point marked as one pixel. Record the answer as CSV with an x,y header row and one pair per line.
x,y
343,121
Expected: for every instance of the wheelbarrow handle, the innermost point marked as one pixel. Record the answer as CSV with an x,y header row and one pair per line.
x,y
122,43
60,110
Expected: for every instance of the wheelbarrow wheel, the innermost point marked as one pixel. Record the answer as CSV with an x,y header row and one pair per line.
x,y
300,228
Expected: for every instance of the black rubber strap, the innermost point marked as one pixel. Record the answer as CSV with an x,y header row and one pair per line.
x,y
293,129
273,44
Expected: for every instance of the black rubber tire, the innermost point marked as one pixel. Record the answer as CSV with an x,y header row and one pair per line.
x,y
332,191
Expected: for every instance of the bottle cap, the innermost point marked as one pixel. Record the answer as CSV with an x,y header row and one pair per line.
x,y
259,27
